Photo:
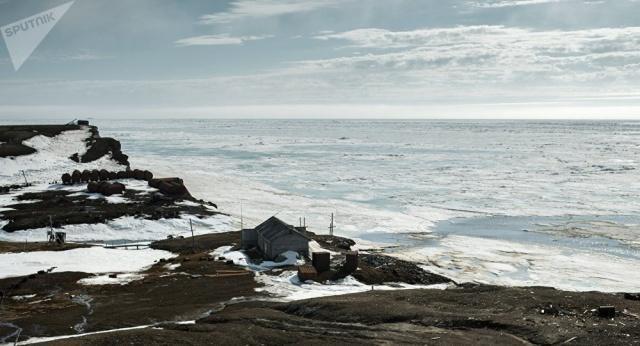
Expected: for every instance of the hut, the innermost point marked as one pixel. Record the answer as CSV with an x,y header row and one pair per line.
x,y
274,237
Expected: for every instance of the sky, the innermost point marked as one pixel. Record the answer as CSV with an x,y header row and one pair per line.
x,y
576,59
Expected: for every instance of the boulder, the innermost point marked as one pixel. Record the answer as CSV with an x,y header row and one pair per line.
x,y
109,189
66,178
113,175
76,176
95,175
147,175
172,187
93,187
105,188
104,174
121,175
86,176
138,174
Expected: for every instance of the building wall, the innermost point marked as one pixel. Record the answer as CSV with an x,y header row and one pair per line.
x,y
290,242
249,238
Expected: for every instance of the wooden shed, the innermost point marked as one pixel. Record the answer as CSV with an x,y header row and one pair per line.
x,y
274,237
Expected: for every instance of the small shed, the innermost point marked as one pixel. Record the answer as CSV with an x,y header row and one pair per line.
x,y
274,236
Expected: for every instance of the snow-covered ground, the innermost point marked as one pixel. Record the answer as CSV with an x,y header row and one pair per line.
x,y
51,159
88,260
128,229
287,286
120,279
289,258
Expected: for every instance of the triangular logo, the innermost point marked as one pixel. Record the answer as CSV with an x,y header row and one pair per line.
x,y
24,36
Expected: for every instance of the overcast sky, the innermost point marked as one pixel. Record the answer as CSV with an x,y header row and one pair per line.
x,y
329,58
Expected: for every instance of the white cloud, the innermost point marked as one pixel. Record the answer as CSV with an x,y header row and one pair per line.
x,y
509,3
243,9
492,54
217,40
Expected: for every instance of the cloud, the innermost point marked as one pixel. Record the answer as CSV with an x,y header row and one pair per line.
x,y
492,54
510,3
248,9
217,40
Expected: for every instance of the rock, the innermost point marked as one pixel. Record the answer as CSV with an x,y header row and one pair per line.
x,y
632,296
106,188
173,187
121,175
113,175
113,276
76,176
607,311
95,175
147,175
138,174
86,176
93,187
549,309
66,178
104,175
109,189
100,147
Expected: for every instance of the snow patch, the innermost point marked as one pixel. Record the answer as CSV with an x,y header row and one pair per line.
x,y
287,287
130,228
291,258
120,279
88,260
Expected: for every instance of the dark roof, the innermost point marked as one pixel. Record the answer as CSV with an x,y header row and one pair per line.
x,y
274,228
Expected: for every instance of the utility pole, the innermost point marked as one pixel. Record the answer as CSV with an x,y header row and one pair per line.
x,y
26,183
193,239
331,226
50,233
241,216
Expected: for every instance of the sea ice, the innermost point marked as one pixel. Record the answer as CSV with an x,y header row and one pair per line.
x,y
499,262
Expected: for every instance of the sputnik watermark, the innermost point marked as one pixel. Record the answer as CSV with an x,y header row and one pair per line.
x,y
24,36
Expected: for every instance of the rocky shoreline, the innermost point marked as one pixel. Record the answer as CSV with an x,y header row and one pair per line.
x,y
227,303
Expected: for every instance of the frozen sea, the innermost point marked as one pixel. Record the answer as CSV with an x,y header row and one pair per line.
x,y
551,203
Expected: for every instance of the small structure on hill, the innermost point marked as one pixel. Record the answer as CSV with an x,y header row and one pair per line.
x,y
320,268
274,237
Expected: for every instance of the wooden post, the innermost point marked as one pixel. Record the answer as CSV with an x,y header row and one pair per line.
x,y
193,239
